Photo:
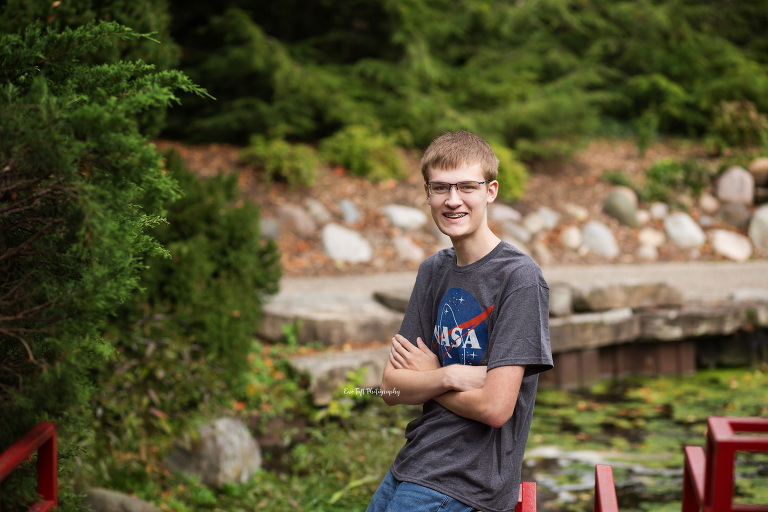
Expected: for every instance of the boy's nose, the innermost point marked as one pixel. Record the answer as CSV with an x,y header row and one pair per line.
x,y
453,196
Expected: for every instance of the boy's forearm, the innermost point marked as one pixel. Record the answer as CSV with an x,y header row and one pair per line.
x,y
472,405
413,387
494,403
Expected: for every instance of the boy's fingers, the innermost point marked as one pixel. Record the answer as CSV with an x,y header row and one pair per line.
x,y
399,345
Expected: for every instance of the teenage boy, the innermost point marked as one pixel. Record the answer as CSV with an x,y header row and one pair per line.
x,y
474,337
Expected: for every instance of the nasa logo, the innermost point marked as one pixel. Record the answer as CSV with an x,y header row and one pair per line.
x,y
460,332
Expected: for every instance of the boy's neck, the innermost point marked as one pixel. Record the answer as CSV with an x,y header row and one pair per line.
x,y
472,249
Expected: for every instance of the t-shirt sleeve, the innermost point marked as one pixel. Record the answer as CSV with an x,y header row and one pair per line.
x,y
415,323
520,335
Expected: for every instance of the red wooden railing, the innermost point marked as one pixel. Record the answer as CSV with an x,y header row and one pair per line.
x,y
41,439
708,477
605,490
527,500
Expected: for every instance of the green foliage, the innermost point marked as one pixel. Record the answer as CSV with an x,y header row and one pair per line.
x,y
738,124
348,396
272,388
294,164
668,180
149,397
618,178
364,152
185,342
512,173
646,129
219,272
261,86
539,76
79,193
149,17
143,16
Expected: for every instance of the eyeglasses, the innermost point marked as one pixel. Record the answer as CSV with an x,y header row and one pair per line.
x,y
439,188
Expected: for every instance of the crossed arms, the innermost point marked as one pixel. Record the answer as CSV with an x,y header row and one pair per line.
x,y
413,375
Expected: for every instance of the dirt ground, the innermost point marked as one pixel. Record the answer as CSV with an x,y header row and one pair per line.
x,y
552,184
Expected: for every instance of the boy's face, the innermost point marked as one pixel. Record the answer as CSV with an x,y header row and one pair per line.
x,y
460,213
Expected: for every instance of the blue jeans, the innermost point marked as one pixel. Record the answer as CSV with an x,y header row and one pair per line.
x,y
395,496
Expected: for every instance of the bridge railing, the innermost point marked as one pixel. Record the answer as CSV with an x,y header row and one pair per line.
x,y
41,439
709,476
605,490
527,500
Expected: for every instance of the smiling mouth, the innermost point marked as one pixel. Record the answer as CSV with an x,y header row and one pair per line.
x,y
454,215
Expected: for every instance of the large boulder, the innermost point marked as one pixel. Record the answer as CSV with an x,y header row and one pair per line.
x,y
734,214
758,228
224,453
295,219
597,238
736,185
758,168
405,217
622,206
406,249
342,244
734,246
684,231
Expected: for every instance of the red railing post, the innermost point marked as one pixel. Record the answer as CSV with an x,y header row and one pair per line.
x,y
526,501
605,490
41,439
694,478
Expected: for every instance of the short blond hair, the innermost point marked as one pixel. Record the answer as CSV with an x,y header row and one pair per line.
x,y
454,150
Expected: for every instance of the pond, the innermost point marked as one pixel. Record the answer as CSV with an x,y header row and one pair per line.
x,y
640,428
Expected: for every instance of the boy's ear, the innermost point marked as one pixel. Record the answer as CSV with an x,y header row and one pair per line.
x,y
426,191
493,191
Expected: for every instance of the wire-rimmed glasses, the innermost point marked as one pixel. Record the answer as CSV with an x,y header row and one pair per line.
x,y
439,188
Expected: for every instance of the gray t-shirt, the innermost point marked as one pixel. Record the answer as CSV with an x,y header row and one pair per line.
x,y
493,312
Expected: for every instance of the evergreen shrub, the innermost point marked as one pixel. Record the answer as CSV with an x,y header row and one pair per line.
x,y
512,173
184,342
667,180
294,164
738,124
364,152
79,190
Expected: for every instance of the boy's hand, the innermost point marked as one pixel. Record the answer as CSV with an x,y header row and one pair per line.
x,y
404,355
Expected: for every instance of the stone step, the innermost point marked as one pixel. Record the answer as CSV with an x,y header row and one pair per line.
x,y
330,318
327,371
